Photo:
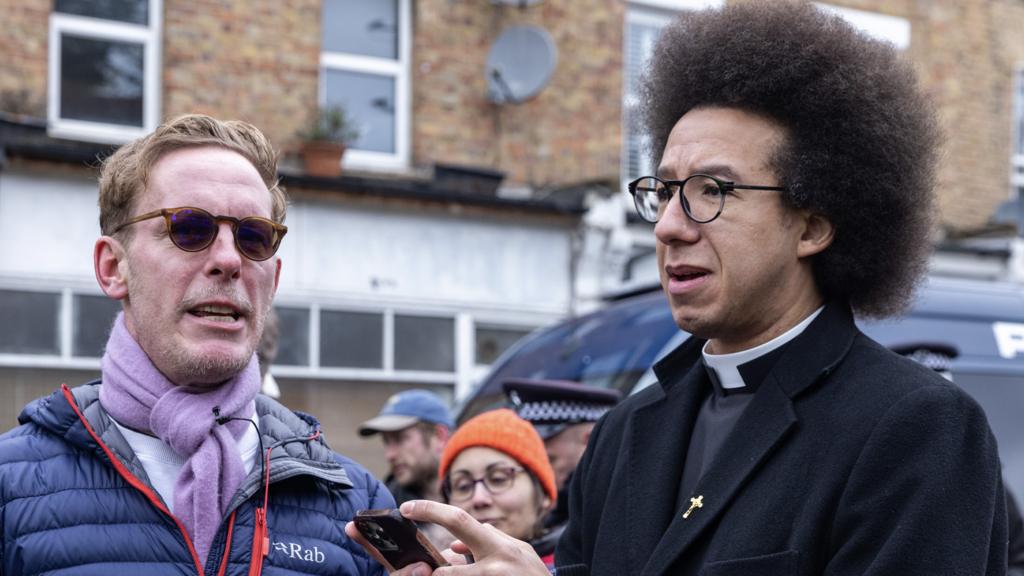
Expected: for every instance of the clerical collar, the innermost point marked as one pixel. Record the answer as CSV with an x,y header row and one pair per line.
x,y
744,369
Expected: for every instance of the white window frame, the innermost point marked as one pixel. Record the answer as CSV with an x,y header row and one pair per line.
x,y
399,70
630,100
464,375
101,29
65,329
472,372
387,372
656,13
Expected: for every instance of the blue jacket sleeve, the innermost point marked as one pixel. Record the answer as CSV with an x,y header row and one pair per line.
x,y
371,494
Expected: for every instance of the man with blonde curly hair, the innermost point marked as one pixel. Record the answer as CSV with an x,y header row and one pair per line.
x,y
794,188
172,462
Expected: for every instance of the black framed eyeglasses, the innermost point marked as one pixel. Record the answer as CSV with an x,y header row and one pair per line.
x,y
460,486
195,229
703,196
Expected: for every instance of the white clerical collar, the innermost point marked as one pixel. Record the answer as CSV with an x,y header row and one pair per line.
x,y
726,366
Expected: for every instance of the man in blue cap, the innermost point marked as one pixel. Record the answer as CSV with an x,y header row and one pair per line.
x,y
415,426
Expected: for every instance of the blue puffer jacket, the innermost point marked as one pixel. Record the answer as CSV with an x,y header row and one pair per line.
x,y
74,499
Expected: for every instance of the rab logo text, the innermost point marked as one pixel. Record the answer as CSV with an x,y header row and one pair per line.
x,y
297,552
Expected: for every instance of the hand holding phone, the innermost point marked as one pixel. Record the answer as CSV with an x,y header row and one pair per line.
x,y
395,539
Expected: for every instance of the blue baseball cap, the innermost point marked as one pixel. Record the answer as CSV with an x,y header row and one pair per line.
x,y
407,408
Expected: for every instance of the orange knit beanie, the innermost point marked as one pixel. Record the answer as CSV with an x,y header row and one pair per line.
x,y
505,432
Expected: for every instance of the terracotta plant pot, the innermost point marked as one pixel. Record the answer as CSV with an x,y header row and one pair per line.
x,y
322,158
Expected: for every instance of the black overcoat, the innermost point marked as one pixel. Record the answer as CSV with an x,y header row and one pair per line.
x,y
849,460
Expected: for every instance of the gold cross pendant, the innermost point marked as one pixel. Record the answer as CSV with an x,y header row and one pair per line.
x,y
695,503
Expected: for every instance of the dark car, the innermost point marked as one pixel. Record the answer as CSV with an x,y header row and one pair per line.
x,y
971,331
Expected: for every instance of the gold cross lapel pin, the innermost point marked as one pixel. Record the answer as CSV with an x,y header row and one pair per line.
x,y
695,503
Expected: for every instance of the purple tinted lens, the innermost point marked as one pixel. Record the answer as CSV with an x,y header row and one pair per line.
x,y
256,238
192,230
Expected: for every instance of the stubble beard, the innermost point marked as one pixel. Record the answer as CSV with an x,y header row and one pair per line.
x,y
186,366
195,367
423,475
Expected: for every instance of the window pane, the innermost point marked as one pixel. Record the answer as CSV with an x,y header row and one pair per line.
x,y
101,80
363,27
132,11
370,98
492,342
293,336
641,35
94,315
30,322
351,339
423,343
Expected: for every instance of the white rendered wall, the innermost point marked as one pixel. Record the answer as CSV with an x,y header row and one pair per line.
x,y
330,251
51,223
428,259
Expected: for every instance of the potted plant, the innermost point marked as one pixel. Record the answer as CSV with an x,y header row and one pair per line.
x,y
324,141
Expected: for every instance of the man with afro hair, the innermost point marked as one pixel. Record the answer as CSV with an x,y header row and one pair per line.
x,y
795,188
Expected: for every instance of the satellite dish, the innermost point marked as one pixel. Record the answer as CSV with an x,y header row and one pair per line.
x,y
520,64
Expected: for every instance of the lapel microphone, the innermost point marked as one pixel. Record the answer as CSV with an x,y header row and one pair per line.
x,y
221,420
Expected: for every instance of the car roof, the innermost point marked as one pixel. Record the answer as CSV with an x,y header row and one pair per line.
x,y
980,325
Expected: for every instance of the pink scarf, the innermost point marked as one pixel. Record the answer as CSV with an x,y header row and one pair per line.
x,y
138,396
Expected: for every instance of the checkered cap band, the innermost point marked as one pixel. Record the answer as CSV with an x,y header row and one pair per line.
x,y
562,411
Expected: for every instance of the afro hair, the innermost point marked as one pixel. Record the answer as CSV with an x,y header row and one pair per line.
x,y
862,137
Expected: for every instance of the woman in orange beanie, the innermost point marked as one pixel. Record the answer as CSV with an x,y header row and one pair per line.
x,y
481,468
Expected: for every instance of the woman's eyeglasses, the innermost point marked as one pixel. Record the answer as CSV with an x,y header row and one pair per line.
x,y
460,486
195,229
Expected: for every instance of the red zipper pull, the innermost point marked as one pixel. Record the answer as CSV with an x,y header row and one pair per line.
x,y
261,522
260,539
260,543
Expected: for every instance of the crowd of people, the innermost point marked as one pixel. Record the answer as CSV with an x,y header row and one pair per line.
x,y
476,466
794,189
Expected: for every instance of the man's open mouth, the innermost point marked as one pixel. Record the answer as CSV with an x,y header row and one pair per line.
x,y
220,313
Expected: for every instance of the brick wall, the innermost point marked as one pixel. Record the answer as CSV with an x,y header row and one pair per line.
x,y
255,60
1005,18
23,45
954,46
570,132
259,59
964,50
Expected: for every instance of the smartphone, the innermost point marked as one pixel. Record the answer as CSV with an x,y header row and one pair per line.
x,y
396,539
